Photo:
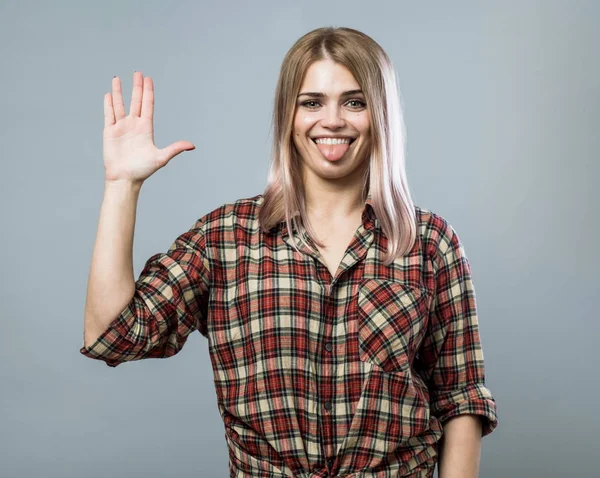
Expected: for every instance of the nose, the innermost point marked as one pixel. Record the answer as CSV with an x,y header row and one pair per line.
x,y
332,117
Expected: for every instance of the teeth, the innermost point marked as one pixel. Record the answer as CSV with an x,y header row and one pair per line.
x,y
332,140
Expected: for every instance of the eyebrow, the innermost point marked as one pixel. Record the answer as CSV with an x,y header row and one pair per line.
x,y
323,95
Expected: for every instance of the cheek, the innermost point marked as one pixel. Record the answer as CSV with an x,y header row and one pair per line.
x,y
305,123
366,133
364,123
300,123
297,134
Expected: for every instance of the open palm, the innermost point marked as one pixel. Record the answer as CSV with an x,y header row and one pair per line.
x,y
129,151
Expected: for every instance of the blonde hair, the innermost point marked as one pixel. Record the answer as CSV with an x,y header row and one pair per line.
x,y
385,178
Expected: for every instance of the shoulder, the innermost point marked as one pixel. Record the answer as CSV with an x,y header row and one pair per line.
x,y
240,212
436,233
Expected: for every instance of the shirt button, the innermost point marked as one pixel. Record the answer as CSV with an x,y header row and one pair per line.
x,y
328,346
327,405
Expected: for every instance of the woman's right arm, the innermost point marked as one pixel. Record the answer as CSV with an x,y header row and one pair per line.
x,y
111,282
130,157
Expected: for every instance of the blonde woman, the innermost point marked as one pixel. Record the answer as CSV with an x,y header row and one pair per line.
x,y
341,317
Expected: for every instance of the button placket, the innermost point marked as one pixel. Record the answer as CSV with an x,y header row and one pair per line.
x,y
327,311
329,379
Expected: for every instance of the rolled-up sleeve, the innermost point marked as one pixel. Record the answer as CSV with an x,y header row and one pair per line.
x,y
169,303
451,351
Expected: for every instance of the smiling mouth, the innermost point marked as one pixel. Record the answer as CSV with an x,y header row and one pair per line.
x,y
314,140
335,151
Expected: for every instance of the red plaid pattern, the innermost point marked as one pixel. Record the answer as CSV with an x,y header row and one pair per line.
x,y
349,376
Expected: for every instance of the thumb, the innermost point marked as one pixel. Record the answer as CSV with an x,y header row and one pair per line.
x,y
169,152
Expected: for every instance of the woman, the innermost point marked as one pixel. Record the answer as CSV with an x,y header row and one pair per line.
x,y
341,317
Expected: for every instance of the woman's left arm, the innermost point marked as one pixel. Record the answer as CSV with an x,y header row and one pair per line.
x,y
460,447
451,360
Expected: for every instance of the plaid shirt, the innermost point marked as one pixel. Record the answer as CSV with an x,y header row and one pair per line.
x,y
348,376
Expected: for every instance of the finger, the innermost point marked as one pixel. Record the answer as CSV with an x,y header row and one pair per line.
x,y
117,94
135,107
109,114
168,153
148,99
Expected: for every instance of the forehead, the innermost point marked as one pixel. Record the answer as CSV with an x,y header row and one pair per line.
x,y
328,77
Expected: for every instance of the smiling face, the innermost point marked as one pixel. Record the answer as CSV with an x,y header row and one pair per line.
x,y
331,109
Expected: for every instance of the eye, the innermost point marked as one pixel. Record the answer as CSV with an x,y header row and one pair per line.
x,y
306,103
361,103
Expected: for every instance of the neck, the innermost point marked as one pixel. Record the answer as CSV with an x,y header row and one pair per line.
x,y
329,201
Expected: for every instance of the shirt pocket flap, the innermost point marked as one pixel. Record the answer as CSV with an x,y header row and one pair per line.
x,y
392,317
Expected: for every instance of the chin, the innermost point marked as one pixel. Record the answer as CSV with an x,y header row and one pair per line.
x,y
334,170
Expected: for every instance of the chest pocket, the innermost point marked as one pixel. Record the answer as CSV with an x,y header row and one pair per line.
x,y
392,319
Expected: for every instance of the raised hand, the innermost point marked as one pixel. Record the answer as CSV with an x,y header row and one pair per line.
x,y
128,142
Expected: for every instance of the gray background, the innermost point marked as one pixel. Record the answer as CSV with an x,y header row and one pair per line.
x,y
501,104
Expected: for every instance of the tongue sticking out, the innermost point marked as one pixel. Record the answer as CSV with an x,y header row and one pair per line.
x,y
333,152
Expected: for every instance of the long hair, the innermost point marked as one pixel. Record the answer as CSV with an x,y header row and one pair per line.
x,y
385,178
